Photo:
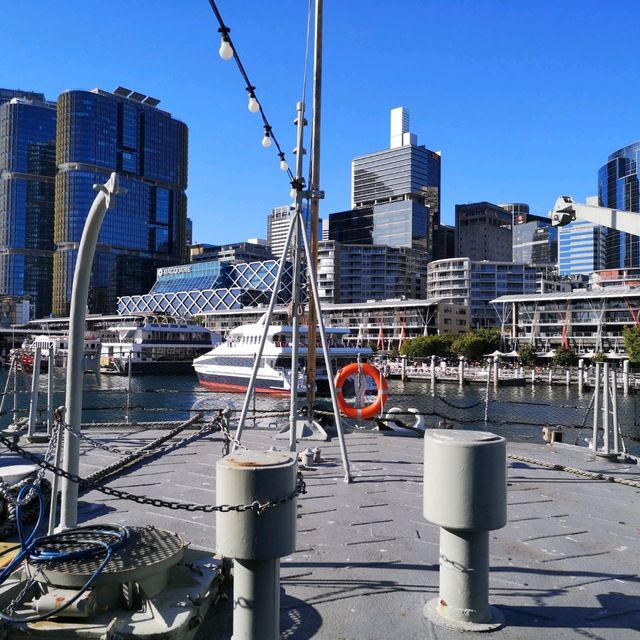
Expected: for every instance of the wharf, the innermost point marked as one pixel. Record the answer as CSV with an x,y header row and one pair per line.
x,y
565,566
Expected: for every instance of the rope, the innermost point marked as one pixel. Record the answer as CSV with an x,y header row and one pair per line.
x,y
594,475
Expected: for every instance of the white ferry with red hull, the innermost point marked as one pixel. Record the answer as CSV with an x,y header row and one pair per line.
x,y
228,367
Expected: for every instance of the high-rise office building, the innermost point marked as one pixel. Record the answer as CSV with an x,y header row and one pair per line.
x,y
350,273
581,248
278,222
535,239
27,196
483,232
619,188
124,131
395,192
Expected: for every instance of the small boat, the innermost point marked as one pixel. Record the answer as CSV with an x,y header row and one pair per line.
x,y
154,345
228,367
56,346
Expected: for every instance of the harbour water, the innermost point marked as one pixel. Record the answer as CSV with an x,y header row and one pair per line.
x,y
519,412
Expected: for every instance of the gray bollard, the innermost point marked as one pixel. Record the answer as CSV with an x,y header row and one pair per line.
x,y
465,493
255,540
306,458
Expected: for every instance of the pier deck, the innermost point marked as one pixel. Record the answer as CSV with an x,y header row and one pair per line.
x,y
565,566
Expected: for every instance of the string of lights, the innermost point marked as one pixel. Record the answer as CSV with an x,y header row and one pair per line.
x,y
227,51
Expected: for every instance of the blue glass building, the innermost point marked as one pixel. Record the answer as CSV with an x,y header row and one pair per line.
x,y
98,133
581,248
204,287
27,196
618,189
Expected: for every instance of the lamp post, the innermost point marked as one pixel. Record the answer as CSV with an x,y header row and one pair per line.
x,y
77,318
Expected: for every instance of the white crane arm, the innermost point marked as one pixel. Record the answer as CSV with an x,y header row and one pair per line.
x,y
566,210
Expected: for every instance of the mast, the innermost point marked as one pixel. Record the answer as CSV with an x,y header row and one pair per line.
x,y
316,195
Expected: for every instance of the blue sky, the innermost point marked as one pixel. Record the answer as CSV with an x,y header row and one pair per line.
x,y
525,100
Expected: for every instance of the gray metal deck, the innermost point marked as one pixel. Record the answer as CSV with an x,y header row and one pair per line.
x,y
565,566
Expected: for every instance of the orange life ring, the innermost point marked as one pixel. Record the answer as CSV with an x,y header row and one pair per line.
x,y
381,384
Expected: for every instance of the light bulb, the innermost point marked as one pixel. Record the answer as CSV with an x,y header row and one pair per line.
x,y
266,141
283,165
226,50
293,193
253,105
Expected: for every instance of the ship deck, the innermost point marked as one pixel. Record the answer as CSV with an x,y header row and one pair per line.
x,y
366,562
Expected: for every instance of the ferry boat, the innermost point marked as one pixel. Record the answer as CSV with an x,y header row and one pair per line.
x,y
154,345
228,366
56,346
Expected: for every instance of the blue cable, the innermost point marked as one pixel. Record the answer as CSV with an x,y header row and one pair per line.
x,y
51,548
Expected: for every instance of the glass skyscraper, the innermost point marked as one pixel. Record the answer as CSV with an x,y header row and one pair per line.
x,y
618,189
27,184
581,248
395,192
124,131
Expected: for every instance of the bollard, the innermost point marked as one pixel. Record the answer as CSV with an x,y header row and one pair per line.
x,y
306,458
317,454
255,540
433,371
567,377
465,493
625,377
496,371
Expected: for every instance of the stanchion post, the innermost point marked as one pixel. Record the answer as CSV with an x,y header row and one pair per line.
x,y
465,493
256,541
35,381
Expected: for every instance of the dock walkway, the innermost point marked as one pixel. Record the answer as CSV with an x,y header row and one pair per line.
x,y
565,566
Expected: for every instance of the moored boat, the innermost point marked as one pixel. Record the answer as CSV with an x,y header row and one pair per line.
x,y
155,345
228,367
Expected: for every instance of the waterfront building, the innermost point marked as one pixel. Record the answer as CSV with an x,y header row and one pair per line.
x,y
519,210
614,278
483,232
27,197
395,193
474,284
619,188
199,288
354,273
384,325
587,320
98,133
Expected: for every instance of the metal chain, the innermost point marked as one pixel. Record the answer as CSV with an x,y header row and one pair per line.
x,y
7,492
13,605
256,506
229,437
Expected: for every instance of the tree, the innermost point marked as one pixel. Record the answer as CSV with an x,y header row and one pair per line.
x,y
564,357
477,343
598,357
632,343
527,355
425,346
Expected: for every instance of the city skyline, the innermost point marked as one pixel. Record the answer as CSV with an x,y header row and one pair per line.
x,y
512,95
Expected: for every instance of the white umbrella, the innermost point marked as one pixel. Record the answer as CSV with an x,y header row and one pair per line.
x,y
549,354
494,354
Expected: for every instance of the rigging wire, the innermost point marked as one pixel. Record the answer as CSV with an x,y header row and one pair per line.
x,y
254,104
